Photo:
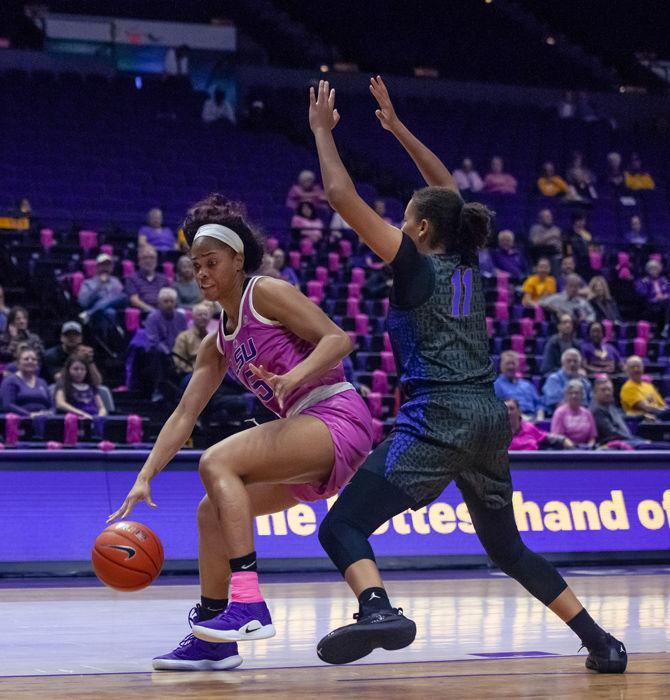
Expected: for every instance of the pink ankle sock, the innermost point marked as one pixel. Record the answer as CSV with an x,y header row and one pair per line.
x,y
244,587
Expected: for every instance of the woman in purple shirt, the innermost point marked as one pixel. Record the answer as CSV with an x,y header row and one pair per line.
x,y
24,392
76,393
600,357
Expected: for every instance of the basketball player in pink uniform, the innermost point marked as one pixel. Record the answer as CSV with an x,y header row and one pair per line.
x,y
286,351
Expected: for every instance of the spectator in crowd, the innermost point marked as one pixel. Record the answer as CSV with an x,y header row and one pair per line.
x,y
601,300
307,223
4,311
24,392
581,178
563,340
71,345
528,437
162,327
545,238
100,296
186,344
17,333
286,272
635,235
554,387
538,285
468,179
508,258
567,107
497,181
153,233
550,184
572,419
267,267
142,287
509,385
306,190
654,292
77,393
600,357
570,301
217,107
636,178
613,172
568,267
578,242
640,397
379,205
185,284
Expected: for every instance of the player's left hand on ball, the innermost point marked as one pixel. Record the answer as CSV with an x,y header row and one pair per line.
x,y
281,384
322,112
141,491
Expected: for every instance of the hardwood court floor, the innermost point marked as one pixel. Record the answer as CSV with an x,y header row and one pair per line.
x,y
477,638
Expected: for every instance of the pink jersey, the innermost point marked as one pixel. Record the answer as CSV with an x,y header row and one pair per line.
x,y
264,342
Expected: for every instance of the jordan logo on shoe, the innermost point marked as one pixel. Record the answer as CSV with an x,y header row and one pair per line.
x,y
130,551
373,595
247,566
248,629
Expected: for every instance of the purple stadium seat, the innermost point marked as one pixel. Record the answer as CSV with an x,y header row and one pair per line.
x,y
306,246
388,362
608,329
315,289
127,268
88,239
644,329
77,279
358,275
89,267
321,274
132,318
333,262
501,311
374,400
168,270
345,248
526,327
294,259
352,306
46,238
596,259
539,314
380,381
107,249
503,295
353,290
362,323
502,280
640,347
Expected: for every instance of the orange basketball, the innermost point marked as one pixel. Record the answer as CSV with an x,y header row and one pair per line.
x,y
127,556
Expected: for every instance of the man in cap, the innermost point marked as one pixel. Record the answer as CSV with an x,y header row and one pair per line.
x,y
70,344
100,296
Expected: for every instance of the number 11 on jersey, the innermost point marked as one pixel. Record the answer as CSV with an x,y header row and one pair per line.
x,y
461,283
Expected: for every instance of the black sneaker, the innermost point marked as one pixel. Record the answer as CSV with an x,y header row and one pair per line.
x,y
386,629
608,657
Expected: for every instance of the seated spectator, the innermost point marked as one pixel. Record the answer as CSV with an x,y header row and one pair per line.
x,y
600,357
581,178
509,385
636,236
186,344
77,393
554,387
567,107
601,300
468,179
545,238
24,393
142,287
539,285
153,233
572,419
639,397
497,181
558,344
286,272
636,178
507,258
528,437
379,205
17,333
4,311
613,171
267,267
185,284
568,267
306,190
100,296
550,184
307,223
569,301
654,292
577,242
70,345
162,327
217,107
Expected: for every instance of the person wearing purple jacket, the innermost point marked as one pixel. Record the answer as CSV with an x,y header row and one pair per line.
x,y
24,392
654,290
142,288
507,258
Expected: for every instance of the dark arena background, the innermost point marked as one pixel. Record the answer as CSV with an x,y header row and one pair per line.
x,y
116,117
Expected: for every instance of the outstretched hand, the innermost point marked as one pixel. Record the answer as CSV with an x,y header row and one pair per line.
x,y
386,112
322,111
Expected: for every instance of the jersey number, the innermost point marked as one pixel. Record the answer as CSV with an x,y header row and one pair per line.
x,y
461,284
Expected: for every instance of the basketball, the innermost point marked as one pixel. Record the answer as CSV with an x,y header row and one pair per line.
x,y
127,556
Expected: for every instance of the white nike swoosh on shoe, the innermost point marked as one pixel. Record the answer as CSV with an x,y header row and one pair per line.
x,y
248,566
249,631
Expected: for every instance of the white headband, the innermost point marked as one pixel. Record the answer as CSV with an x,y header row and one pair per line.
x,y
221,233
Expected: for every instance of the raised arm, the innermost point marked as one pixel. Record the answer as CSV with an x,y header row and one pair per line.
x,y
432,169
383,238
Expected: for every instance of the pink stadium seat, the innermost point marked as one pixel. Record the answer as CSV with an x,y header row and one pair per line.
x,y
596,259
643,329
345,249
377,431
272,244
321,274
523,365
640,346
362,323
374,400
526,327
501,311
107,249
502,280
539,314
88,239
77,280
315,300
132,318
353,290
489,326
47,237
294,259
133,429
380,381
352,306
306,246
168,270
358,275
388,362
188,315
387,342
623,258
315,289
333,262
608,329
89,267
127,268
503,294
517,343
70,429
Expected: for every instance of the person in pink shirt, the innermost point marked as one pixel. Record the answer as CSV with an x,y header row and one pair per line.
x,y
527,437
572,419
307,189
497,181
307,223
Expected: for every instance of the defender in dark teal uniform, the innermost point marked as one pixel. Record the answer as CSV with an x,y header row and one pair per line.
x,y
450,426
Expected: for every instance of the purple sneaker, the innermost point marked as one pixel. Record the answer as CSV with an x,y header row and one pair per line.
x,y
239,621
195,655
